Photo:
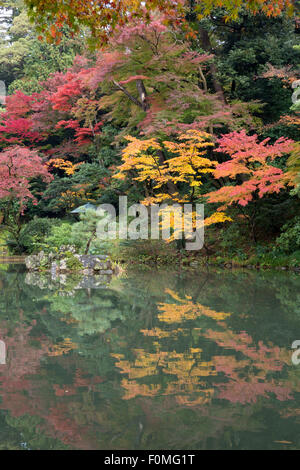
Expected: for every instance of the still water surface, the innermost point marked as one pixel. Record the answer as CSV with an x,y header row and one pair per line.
x,y
153,361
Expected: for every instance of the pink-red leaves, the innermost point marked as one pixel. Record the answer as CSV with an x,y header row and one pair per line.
x,y
18,165
250,166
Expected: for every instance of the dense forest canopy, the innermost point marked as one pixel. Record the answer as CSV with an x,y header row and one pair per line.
x,y
103,17
175,102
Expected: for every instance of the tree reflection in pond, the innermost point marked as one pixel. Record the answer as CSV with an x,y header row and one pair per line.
x,y
153,362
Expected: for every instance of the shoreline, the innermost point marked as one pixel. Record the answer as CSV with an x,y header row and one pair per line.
x,y
183,264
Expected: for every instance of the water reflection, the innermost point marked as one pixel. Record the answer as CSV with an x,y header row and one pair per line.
x,y
153,362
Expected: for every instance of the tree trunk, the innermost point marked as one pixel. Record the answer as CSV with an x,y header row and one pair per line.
x,y
205,39
170,185
142,94
89,242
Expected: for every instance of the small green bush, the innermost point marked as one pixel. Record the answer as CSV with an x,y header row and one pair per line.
x,y
73,263
60,235
289,240
31,236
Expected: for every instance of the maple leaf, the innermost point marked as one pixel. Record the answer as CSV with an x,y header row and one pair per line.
x,y
253,160
18,165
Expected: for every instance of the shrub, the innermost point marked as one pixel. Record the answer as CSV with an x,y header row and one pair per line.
x,y
60,236
31,236
289,240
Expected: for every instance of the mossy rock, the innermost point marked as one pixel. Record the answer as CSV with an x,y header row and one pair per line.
x,y
73,263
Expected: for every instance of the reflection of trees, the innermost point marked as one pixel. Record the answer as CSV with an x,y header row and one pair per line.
x,y
34,398
244,371
15,296
188,367
246,378
125,366
92,312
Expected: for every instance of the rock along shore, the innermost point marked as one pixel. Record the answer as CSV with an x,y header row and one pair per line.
x,y
66,260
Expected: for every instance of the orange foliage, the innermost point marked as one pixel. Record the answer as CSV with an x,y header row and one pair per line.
x,y
68,167
105,16
162,166
63,348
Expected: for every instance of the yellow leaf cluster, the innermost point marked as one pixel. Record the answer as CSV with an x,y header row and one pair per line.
x,y
185,161
63,348
165,167
68,167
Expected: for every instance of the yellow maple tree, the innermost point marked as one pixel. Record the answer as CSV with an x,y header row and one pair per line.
x,y
171,172
164,165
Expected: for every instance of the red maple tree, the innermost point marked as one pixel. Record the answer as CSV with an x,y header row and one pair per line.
x,y
18,166
250,173
251,167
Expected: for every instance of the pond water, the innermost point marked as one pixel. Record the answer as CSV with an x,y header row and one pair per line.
x,y
154,360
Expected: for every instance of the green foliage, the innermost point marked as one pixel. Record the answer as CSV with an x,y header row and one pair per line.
x,y
24,59
73,263
147,252
84,234
246,47
59,236
289,240
51,201
34,233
